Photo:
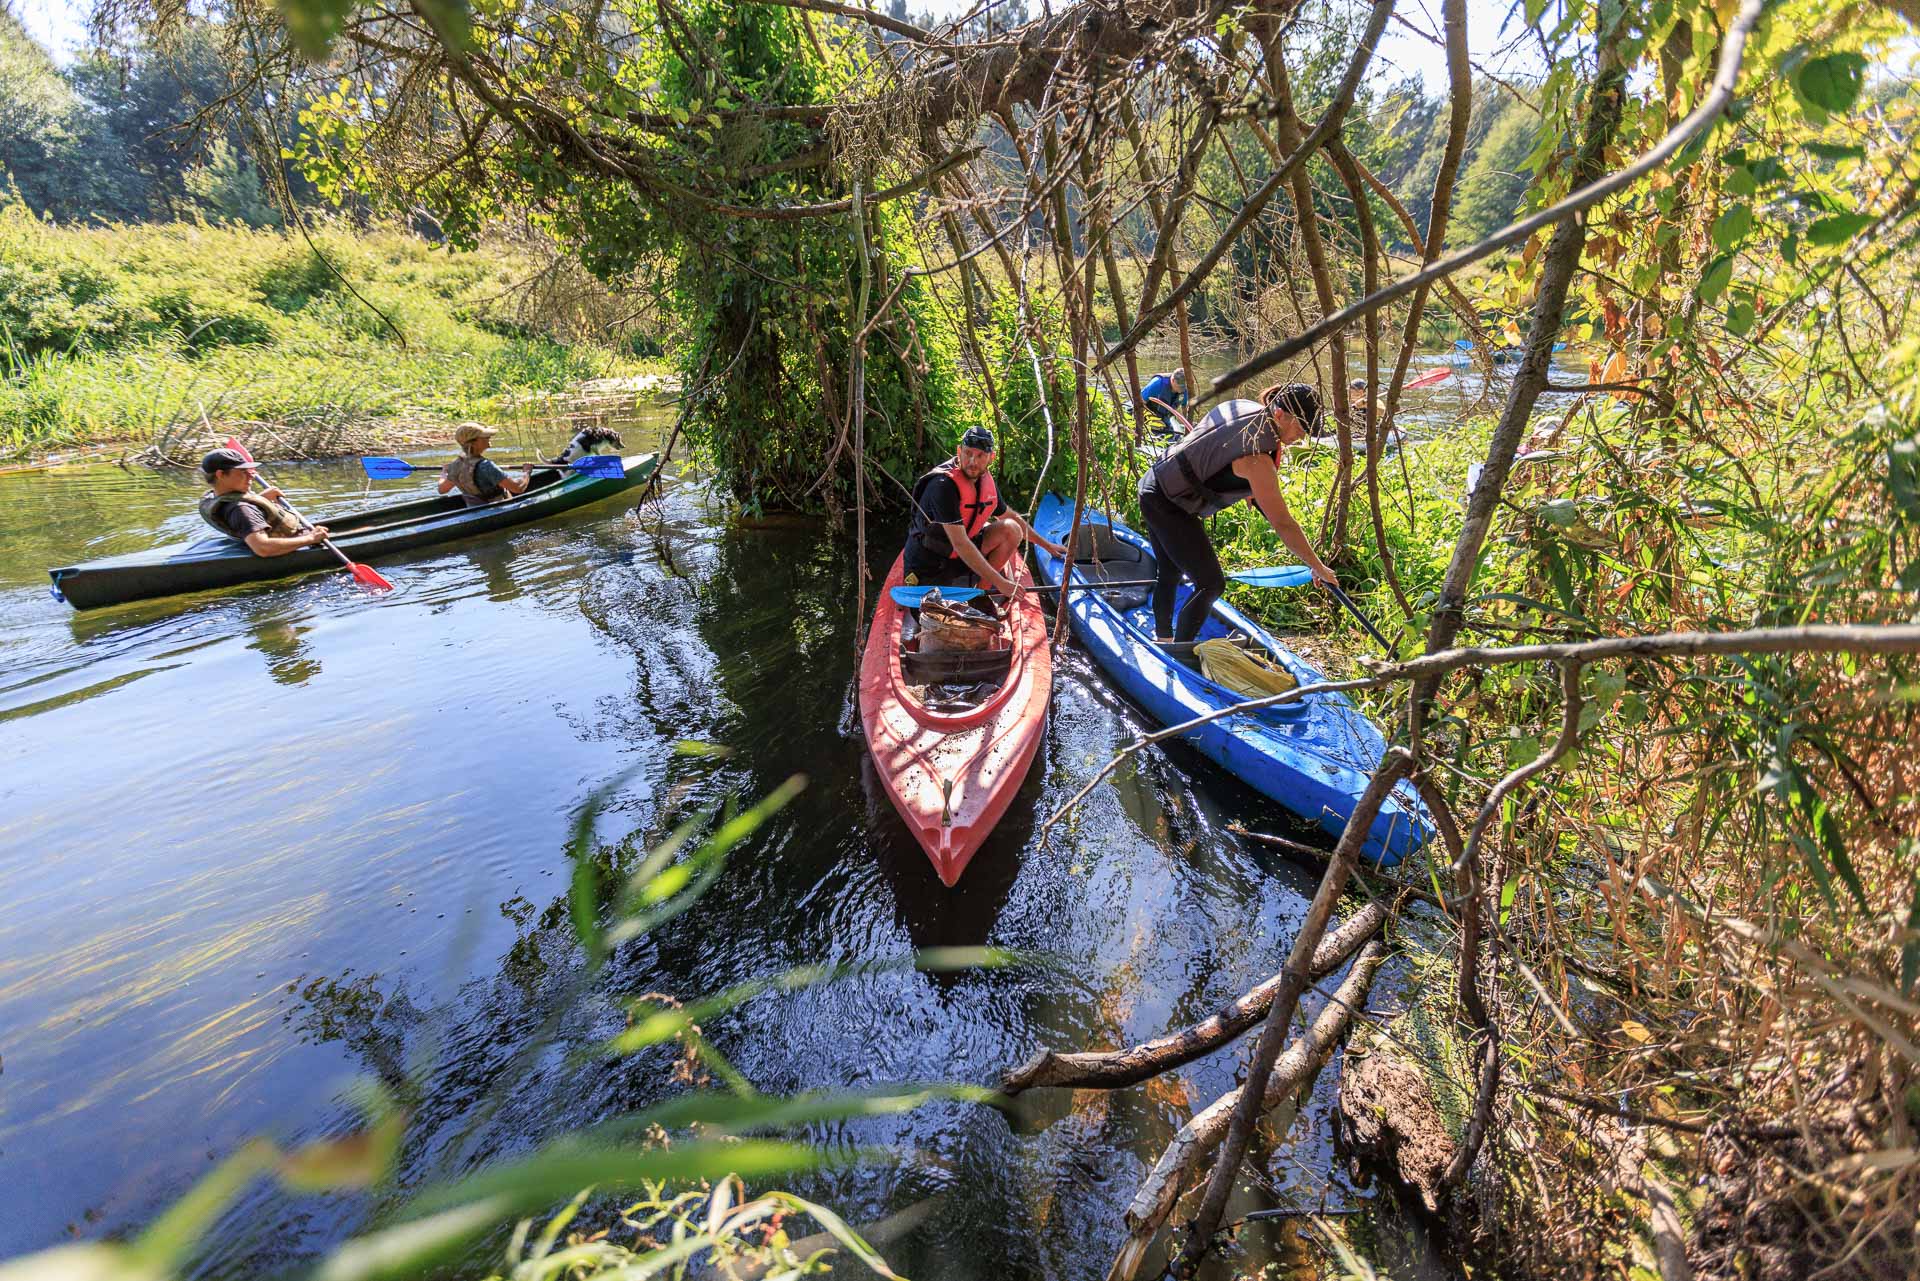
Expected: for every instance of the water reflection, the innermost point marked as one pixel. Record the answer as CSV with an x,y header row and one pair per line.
x,y
289,661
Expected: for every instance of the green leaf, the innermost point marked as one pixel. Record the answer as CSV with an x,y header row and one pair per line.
x,y
1739,317
1903,476
562,1169
1838,229
1560,512
405,1249
1731,227
1832,81
165,1245
1718,277
1741,182
450,19
1836,151
314,23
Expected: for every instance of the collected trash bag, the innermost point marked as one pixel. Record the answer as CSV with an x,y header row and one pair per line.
x,y
1243,671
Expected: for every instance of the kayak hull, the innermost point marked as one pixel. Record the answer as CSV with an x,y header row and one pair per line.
x,y
215,562
1313,756
951,776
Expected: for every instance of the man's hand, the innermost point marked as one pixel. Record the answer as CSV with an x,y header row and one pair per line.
x,y
1325,577
316,535
272,494
1006,586
1058,549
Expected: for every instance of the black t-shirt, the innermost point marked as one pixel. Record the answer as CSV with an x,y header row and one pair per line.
x,y
243,519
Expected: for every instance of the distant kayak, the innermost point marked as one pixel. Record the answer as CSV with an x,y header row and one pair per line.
x,y
953,734
214,561
1313,756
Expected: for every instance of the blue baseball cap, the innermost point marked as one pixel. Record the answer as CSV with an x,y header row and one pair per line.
x,y
977,438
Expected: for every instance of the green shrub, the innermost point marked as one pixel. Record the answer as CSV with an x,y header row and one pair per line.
x,y
203,323
295,280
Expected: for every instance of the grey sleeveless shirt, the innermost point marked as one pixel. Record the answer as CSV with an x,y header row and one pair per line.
x,y
1197,474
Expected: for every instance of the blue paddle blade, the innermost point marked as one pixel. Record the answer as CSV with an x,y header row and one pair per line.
x,y
610,466
1274,576
910,597
386,468
1462,344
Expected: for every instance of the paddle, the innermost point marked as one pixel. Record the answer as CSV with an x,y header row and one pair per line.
x,y
1339,595
1267,576
365,575
1428,380
605,466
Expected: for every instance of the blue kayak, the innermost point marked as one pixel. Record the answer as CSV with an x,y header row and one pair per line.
x,y
1314,756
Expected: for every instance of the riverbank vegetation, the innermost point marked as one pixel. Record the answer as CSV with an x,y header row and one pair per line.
x,y
1656,683
162,333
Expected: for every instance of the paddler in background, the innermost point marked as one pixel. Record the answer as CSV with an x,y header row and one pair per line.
x,y
477,477
1164,396
1231,454
258,520
961,532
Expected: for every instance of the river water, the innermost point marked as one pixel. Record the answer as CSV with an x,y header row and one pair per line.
x,y
261,844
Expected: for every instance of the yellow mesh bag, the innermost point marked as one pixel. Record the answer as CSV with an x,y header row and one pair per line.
x,y
1242,671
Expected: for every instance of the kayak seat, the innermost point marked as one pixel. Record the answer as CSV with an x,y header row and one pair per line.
x,y
1100,556
953,666
1098,543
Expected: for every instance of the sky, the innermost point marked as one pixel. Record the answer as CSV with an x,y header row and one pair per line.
x,y
60,25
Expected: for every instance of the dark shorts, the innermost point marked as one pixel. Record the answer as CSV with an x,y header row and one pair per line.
x,y
936,571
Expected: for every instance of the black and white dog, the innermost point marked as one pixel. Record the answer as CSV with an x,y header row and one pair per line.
x,y
589,441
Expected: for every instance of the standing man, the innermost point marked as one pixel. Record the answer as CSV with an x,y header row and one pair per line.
x,y
1164,396
477,477
258,520
961,531
1233,454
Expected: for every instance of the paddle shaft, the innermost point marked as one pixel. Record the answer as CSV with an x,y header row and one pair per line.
x,y
1365,622
325,542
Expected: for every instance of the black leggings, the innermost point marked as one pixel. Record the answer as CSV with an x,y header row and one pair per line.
x,y
1180,545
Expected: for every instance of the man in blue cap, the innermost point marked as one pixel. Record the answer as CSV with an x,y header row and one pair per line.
x,y
961,532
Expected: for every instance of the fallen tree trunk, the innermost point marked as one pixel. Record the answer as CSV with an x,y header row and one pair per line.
x,y
1112,1069
1154,1202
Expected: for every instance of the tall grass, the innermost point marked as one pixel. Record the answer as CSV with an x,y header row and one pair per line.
x,y
134,332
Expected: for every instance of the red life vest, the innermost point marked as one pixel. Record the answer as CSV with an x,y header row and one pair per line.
x,y
978,502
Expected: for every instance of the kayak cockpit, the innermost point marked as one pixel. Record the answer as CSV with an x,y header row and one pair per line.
x,y
948,681
1103,555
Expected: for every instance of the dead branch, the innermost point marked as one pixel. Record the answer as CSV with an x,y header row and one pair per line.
x,y
1112,1069
1154,1202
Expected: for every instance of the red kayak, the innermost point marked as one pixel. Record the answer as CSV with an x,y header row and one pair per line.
x,y
951,769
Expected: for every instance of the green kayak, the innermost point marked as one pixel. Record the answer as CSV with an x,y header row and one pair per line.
x,y
213,561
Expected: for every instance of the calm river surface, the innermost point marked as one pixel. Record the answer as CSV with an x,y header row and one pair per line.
x,y
260,844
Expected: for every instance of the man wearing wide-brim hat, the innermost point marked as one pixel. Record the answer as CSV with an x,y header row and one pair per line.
x,y
477,477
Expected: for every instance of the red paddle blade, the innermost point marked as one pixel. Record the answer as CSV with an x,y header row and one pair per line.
x,y
368,576
233,443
